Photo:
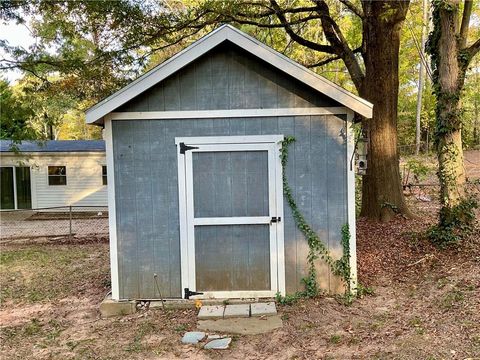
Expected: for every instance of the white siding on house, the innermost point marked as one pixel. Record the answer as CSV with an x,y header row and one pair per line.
x,y
84,178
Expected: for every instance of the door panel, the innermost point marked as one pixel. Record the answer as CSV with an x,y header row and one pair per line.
x,y
230,189
24,194
229,184
232,257
7,196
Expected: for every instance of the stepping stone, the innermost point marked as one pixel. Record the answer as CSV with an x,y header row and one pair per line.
x,y
242,326
263,309
218,344
241,310
211,312
193,337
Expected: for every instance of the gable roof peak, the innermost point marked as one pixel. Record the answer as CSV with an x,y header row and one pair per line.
x,y
227,32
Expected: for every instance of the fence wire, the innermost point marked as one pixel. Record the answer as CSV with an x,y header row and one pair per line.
x,y
72,221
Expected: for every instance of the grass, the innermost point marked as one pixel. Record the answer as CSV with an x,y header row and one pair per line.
x,y
335,339
452,298
44,273
136,344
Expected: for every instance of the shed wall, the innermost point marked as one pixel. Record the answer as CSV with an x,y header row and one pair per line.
x,y
228,78
146,194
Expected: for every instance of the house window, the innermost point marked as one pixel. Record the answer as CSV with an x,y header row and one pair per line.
x,y
104,174
57,175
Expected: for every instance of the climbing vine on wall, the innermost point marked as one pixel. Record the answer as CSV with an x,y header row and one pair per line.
x,y
317,249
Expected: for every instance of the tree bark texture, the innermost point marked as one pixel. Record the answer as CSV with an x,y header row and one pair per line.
x,y
382,193
450,79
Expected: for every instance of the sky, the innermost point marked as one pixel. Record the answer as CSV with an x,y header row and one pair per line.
x,y
17,35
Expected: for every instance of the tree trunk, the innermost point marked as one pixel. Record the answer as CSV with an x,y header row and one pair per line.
x,y
382,193
448,133
476,125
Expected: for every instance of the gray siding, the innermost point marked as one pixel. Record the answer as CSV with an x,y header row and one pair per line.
x,y
227,78
147,194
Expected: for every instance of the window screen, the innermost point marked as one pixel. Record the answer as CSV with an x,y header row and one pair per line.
x,y
57,175
104,174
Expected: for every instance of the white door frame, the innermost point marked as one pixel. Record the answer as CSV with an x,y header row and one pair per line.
x,y
270,143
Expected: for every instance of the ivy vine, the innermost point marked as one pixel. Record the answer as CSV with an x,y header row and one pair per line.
x,y
455,219
317,249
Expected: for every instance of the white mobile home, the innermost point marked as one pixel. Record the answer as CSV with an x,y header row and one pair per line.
x,y
52,173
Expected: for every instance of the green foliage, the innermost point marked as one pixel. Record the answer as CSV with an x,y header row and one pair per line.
x,y
288,299
455,222
418,167
363,291
13,115
317,249
342,266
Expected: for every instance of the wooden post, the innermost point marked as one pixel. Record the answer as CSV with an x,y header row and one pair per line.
x,y
70,232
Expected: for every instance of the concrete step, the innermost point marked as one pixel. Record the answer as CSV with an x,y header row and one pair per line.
x,y
211,312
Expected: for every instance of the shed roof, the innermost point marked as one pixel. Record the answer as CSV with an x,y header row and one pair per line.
x,y
55,146
228,33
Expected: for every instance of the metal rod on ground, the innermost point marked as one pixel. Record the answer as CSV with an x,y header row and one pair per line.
x,y
155,276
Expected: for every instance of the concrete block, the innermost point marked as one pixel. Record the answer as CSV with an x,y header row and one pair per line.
x,y
242,326
241,310
172,304
109,308
211,312
263,309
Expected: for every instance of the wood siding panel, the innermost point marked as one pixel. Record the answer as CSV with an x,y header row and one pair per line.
x,y
227,78
336,190
316,172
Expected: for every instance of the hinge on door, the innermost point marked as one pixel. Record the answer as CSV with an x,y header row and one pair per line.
x,y
189,293
275,219
184,148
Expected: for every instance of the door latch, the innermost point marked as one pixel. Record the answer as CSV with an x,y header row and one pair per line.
x,y
275,219
189,293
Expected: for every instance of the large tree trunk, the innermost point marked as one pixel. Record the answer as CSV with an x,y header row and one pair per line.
x,y
382,193
448,130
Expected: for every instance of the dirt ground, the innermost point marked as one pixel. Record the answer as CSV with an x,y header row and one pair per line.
x,y
425,305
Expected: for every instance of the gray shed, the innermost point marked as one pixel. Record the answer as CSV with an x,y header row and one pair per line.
x,y
195,180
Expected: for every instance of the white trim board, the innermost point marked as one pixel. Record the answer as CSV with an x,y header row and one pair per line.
x,y
112,219
237,113
226,32
242,139
351,202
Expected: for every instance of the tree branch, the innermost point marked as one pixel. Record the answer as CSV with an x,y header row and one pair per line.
x,y
330,59
232,18
271,11
467,12
337,40
297,38
473,49
353,8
